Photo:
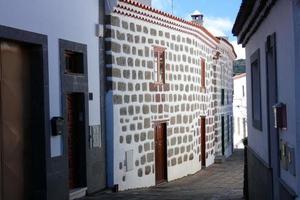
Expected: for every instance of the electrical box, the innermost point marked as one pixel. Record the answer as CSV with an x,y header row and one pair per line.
x,y
280,116
291,160
287,158
283,155
129,160
57,125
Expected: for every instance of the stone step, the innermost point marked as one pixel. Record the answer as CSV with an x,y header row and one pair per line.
x,y
77,193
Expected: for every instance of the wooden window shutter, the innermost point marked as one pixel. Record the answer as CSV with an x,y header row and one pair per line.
x,y
203,73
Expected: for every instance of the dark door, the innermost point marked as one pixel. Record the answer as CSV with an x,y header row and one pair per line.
x,y
15,122
75,127
203,141
160,153
223,135
272,100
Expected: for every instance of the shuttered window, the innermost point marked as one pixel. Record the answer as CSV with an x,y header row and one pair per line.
x,y
159,65
203,73
256,90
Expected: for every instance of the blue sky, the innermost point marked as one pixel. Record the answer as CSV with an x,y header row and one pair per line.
x,y
219,16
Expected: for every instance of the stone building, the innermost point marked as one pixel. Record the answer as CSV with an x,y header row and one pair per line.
x,y
169,96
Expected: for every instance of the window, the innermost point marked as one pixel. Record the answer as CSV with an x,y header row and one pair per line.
x,y
227,97
159,65
243,90
256,90
228,129
245,127
222,96
238,126
73,62
203,73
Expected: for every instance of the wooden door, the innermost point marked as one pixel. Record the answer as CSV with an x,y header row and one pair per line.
x,y
223,134
203,141
160,153
76,132
15,122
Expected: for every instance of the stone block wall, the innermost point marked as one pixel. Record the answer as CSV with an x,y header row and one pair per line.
x,y
135,102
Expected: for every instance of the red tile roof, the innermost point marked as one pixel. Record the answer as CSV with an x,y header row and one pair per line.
x,y
166,23
173,17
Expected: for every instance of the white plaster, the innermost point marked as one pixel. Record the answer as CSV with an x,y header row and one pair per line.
x,y
239,110
282,25
73,20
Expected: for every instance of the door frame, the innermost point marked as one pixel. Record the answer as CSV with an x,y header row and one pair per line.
x,y
74,83
41,141
166,149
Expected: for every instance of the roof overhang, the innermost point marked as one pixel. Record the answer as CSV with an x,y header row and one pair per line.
x,y
250,16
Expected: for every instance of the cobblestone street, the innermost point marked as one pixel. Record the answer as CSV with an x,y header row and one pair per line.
x,y
217,182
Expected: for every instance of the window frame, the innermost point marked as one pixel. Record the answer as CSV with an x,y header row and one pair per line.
x,y
255,62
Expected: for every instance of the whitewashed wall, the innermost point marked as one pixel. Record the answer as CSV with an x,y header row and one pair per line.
x,y
73,20
239,110
296,13
282,24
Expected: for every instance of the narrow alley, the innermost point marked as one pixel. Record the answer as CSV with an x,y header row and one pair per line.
x,y
217,182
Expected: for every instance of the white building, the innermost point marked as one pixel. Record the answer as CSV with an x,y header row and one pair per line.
x,y
51,61
239,110
270,32
169,96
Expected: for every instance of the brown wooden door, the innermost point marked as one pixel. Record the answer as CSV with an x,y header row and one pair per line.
x,y
203,141
160,153
76,132
15,122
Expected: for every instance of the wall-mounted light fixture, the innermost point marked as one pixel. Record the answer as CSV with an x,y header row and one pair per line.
x,y
217,55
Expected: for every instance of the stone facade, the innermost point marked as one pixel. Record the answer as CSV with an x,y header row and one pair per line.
x,y
135,102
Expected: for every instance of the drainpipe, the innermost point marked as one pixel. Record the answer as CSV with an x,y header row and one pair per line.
x,y
245,190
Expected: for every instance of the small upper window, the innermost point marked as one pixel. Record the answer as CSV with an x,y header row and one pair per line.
x,y
159,64
74,62
243,88
202,73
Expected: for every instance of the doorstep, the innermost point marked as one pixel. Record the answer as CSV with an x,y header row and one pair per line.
x,y
77,193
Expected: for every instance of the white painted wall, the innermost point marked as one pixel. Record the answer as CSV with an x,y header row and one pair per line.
x,y
282,24
296,13
73,20
239,110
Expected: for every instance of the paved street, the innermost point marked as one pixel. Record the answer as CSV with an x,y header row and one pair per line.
x,y
218,182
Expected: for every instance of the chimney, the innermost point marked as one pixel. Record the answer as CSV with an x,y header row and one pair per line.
x,y
145,2
197,17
